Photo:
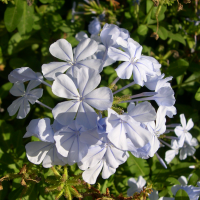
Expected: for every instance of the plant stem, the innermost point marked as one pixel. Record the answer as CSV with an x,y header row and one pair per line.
x,y
55,171
186,82
43,104
130,84
148,14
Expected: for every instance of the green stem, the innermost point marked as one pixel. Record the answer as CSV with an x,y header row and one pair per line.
x,y
167,55
145,19
55,171
65,172
186,82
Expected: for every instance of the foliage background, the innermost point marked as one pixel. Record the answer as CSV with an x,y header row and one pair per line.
x,y
28,28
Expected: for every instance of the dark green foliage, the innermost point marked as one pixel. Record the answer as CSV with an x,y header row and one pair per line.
x,y
28,28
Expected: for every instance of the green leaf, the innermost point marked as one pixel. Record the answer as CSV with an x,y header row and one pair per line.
x,y
142,29
46,1
197,95
4,90
162,32
26,23
138,166
189,81
73,41
172,181
16,43
177,67
193,179
127,15
178,37
108,70
13,15
181,195
17,63
161,15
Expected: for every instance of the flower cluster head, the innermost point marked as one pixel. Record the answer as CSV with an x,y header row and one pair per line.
x,y
137,186
87,129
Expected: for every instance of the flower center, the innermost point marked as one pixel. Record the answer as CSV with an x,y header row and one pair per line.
x,y
133,60
185,131
70,62
81,98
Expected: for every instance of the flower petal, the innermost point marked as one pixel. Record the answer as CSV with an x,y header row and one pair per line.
x,y
36,151
40,128
24,109
143,112
183,154
13,108
118,55
141,182
86,116
77,151
52,158
51,70
87,80
169,156
95,64
65,112
90,137
100,98
138,135
22,74
183,121
118,136
33,95
183,180
64,140
190,124
81,35
64,87
18,89
107,170
90,175
124,70
62,49
94,155
85,48
32,84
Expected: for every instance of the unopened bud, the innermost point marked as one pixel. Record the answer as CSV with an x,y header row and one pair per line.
x,y
156,3
23,170
180,7
23,182
186,1
1,186
155,35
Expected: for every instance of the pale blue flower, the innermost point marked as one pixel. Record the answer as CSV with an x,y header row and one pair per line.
x,y
102,155
43,151
62,49
169,155
94,27
135,186
154,196
27,96
136,64
193,192
69,143
188,149
81,90
182,131
24,74
121,127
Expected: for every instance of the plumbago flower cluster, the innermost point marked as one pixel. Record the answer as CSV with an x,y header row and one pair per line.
x,y
137,186
88,128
